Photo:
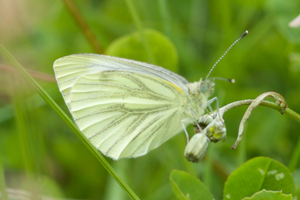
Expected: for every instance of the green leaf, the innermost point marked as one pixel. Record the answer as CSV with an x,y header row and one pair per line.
x,y
257,174
270,195
131,46
187,187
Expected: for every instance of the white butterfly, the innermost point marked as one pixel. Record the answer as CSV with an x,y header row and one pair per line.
x,y
127,108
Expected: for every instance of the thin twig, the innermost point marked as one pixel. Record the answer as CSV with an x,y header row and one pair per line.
x,y
83,26
35,74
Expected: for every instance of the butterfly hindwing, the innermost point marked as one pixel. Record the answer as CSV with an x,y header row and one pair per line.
x,y
125,114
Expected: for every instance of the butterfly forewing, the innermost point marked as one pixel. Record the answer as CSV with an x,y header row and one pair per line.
x,y
69,68
124,113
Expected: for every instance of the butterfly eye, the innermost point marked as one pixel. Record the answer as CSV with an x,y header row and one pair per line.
x,y
203,88
207,86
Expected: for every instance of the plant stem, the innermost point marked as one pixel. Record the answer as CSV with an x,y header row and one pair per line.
x,y
290,113
68,121
83,26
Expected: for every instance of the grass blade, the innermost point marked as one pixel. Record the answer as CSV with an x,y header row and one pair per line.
x,y
68,121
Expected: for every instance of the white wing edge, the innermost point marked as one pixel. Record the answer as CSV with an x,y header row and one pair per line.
x,y
153,70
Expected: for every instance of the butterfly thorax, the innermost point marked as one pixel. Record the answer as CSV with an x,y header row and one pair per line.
x,y
198,93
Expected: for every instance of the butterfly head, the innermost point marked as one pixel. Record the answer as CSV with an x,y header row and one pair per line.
x,y
207,87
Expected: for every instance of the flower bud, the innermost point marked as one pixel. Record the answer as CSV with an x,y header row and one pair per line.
x,y
216,131
214,128
203,122
196,148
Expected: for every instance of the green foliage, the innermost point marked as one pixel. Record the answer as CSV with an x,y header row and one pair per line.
x,y
271,195
186,36
187,187
257,174
259,178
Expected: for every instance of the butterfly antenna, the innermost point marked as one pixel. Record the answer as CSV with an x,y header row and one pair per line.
x,y
230,80
243,35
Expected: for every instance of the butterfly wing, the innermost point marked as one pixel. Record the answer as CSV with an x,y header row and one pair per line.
x,y
69,68
123,112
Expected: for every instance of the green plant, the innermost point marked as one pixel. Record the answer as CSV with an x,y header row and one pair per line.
x,y
198,33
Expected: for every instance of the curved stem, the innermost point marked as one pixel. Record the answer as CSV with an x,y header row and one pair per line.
x,y
289,112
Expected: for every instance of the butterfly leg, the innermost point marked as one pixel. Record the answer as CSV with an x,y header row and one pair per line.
x,y
184,128
198,126
209,102
217,102
210,110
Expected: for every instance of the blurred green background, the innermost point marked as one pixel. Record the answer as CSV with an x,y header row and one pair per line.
x,y
186,36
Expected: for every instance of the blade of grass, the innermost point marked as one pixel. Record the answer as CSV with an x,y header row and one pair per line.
x,y
68,121
3,188
112,189
139,25
83,26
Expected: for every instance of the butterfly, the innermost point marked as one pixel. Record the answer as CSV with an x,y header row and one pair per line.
x,y
127,108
